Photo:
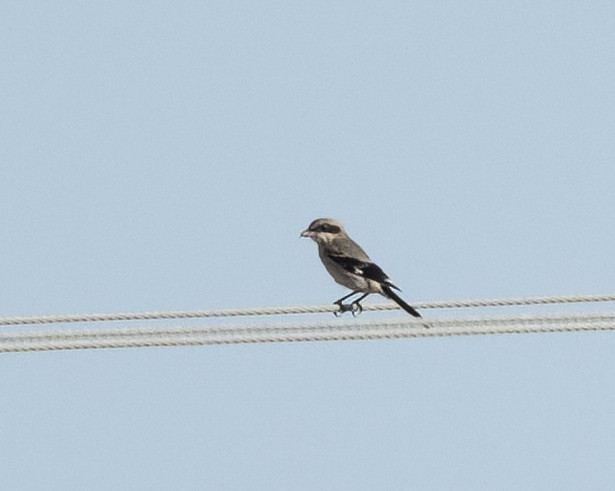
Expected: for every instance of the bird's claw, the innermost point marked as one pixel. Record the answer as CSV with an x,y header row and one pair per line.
x,y
355,308
344,307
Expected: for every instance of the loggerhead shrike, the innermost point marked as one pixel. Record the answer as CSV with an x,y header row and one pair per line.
x,y
350,266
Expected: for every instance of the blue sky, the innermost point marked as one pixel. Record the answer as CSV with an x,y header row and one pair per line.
x,y
165,156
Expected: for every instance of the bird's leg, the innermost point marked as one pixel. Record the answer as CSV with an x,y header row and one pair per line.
x,y
345,307
355,307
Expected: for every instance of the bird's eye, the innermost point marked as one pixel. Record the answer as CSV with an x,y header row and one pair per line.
x,y
331,229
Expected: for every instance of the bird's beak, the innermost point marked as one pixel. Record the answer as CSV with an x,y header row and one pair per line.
x,y
306,233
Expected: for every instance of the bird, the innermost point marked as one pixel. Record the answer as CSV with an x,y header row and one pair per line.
x,y
350,266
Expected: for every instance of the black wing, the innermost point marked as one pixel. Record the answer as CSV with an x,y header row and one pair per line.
x,y
370,271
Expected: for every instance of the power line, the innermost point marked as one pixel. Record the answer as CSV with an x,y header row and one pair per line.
x,y
314,309
134,337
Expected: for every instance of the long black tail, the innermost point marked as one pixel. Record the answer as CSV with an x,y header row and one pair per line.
x,y
393,296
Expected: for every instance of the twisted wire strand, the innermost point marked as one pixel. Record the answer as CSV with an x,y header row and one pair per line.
x,y
135,337
314,309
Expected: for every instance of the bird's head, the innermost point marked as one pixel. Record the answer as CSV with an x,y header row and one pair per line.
x,y
323,230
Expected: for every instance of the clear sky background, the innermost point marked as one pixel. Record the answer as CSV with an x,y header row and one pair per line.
x,y
166,155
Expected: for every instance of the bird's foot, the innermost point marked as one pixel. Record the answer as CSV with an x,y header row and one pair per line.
x,y
355,308
343,307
